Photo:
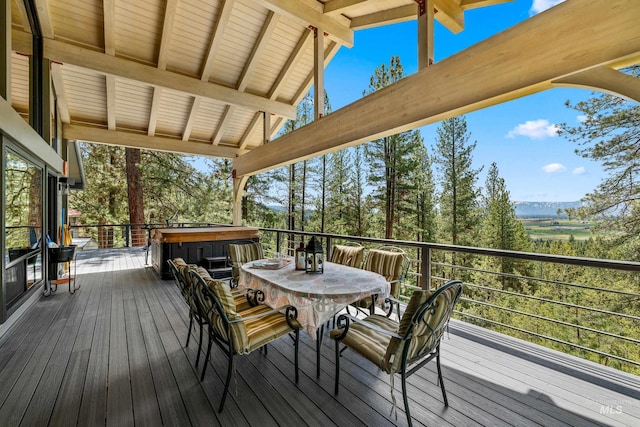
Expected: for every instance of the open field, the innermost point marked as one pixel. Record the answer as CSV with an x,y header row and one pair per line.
x,y
556,229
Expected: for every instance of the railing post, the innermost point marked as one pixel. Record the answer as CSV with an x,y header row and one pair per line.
x,y
425,267
277,241
329,247
126,236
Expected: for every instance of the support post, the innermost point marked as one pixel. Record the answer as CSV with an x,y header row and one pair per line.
x,y
318,73
425,267
425,33
5,50
238,191
266,127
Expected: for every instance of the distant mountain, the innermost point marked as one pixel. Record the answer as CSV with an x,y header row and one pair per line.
x,y
543,209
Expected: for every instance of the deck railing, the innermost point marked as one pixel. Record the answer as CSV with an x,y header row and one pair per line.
x,y
583,306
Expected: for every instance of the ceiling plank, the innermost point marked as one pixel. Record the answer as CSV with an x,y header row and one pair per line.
x,y
109,17
139,140
120,67
167,29
522,60
604,79
309,15
216,39
61,94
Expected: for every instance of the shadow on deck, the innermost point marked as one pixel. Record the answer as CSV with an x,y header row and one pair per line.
x,y
114,354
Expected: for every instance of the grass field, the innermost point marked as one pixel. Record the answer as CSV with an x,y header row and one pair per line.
x,y
556,229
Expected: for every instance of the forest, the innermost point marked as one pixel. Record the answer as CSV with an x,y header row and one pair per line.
x,y
399,187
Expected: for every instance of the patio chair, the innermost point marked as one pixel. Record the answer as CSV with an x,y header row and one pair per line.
x,y
397,346
392,263
349,253
241,253
240,332
180,272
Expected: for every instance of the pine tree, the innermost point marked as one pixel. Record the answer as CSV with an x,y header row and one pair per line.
x,y
458,198
391,162
610,134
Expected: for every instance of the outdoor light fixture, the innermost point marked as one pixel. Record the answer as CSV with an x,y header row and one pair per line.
x,y
315,257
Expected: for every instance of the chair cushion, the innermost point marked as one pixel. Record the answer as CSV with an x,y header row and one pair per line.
x,y
260,331
368,342
347,255
388,264
242,253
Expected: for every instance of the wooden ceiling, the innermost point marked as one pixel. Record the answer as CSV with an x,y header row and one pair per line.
x,y
191,76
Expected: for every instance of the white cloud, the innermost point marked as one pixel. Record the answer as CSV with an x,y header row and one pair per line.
x,y
582,118
534,129
541,5
554,168
579,170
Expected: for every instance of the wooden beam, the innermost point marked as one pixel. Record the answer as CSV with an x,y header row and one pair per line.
x,y
22,11
224,123
109,25
385,17
258,50
342,6
522,60
216,39
472,4
42,6
604,79
167,30
139,140
311,13
153,113
61,93
329,53
192,117
244,141
123,68
301,47
448,14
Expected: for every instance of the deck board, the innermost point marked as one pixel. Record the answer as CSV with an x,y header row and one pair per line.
x,y
114,354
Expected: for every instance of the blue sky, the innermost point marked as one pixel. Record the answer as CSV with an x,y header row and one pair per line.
x,y
520,136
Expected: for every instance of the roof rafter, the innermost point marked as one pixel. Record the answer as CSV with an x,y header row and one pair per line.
x,y
123,68
258,49
490,72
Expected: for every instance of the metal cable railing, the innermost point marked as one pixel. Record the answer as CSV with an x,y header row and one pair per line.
x,y
563,306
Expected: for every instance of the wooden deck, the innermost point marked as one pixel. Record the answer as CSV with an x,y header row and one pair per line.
x,y
114,354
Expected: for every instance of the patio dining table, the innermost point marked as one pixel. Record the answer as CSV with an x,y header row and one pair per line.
x,y
317,297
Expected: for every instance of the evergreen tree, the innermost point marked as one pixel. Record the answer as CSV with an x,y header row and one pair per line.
x,y
390,160
501,229
458,198
610,134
